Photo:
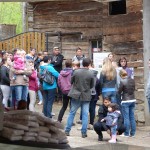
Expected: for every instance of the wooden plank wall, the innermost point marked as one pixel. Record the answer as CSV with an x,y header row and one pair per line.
x,y
77,16
122,34
24,41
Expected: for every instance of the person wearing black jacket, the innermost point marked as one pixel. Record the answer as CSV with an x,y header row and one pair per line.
x,y
101,126
5,81
57,60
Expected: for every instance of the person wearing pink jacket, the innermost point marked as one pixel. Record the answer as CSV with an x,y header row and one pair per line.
x,y
33,87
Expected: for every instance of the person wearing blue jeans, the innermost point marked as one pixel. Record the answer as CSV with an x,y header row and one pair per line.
x,y
49,97
75,104
126,89
129,119
108,80
49,90
82,82
19,87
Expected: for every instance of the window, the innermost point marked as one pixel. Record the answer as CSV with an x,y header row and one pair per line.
x,y
117,7
96,45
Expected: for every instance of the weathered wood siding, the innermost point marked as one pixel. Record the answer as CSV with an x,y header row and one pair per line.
x,y
67,17
122,34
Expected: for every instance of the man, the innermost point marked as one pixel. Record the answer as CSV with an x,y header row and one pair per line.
x,y
57,60
82,82
101,126
148,88
79,56
31,55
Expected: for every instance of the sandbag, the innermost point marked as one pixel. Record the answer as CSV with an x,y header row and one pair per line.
x,y
14,132
15,126
42,139
30,134
45,134
29,138
50,140
43,129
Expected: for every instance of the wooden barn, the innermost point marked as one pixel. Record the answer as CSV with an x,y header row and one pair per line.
x,y
98,26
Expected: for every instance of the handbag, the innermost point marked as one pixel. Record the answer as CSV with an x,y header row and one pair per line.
x,y
47,77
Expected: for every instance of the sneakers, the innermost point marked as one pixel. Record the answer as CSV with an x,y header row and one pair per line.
x,y
84,135
124,135
112,141
90,127
100,138
79,122
40,103
67,133
52,114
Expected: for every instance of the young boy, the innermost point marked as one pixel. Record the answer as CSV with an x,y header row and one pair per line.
x,y
101,126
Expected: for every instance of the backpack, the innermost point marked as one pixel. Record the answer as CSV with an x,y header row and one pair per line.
x,y
64,81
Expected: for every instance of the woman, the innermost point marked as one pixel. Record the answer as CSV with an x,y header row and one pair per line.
x,y
5,81
123,63
126,89
33,87
19,87
49,90
108,80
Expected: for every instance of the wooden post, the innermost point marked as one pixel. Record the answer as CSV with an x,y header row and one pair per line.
x,y
146,39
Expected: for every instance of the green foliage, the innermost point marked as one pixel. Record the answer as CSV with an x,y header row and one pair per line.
x,y
11,13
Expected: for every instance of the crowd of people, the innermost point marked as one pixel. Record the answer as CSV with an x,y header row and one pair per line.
x,y
77,85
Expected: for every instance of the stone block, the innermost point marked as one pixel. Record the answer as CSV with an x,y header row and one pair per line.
x,y
140,107
139,79
140,116
139,95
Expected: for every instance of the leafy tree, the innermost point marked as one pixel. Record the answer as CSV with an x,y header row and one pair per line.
x,y
11,13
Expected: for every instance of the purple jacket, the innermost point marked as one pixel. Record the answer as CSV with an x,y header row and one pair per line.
x,y
64,80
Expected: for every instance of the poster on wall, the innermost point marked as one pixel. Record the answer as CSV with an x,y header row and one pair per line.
x,y
98,61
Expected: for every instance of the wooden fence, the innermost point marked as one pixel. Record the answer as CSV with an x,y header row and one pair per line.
x,y
24,41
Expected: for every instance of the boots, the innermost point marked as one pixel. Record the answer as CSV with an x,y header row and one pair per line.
x,y
113,139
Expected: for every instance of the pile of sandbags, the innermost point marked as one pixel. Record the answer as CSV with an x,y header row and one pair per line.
x,y
32,126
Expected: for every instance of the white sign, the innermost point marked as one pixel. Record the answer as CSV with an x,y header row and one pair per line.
x,y
98,59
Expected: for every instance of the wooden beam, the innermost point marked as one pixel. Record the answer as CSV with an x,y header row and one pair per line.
x,y
102,1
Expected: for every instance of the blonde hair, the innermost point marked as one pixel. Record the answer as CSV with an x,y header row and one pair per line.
x,y
76,63
108,69
123,74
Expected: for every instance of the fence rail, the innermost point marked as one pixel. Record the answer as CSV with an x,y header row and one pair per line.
x,y
24,41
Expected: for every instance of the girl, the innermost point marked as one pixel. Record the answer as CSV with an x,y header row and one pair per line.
x,y
123,63
126,89
33,87
111,120
19,62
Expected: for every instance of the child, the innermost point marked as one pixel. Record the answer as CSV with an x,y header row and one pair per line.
x,y
111,120
19,62
75,65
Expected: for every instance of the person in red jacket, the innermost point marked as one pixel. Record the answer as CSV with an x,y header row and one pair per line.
x,y
33,87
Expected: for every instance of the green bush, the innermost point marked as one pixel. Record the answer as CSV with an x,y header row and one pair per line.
x,y
11,13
